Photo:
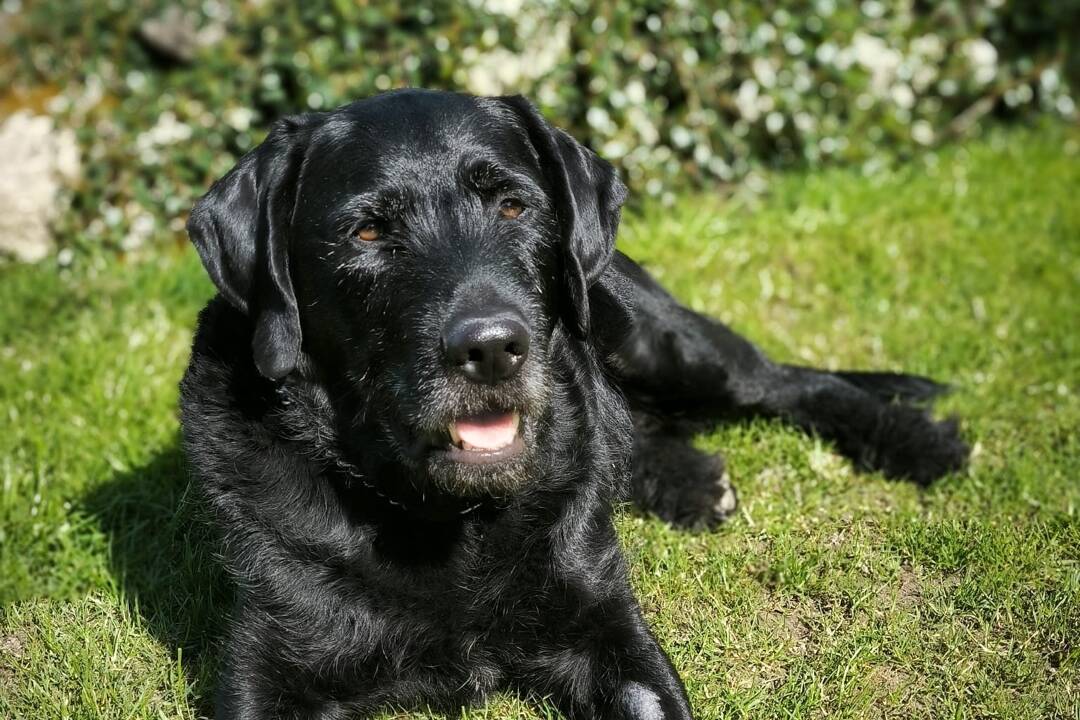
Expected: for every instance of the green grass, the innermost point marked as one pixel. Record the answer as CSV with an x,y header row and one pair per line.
x,y
830,594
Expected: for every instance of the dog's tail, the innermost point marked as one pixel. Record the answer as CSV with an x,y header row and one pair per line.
x,y
890,387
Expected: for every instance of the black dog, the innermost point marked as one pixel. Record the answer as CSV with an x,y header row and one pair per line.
x,y
410,409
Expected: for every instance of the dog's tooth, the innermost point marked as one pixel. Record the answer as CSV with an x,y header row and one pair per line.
x,y
454,436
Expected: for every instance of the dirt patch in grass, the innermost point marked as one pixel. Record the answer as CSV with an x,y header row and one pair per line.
x,y
12,645
908,588
895,688
12,648
789,625
891,679
906,591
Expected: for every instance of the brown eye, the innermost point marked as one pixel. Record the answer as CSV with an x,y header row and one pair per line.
x,y
511,208
368,232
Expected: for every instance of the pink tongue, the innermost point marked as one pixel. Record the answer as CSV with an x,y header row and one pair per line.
x,y
487,432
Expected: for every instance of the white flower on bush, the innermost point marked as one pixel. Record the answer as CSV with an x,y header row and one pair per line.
x,y
643,125
613,149
239,118
599,120
804,78
1049,79
902,96
721,169
721,20
1019,95
983,57
496,70
922,132
635,92
928,46
764,71
826,52
135,80
548,94
873,9
509,8
764,34
140,230
923,76
882,61
166,131
765,103
681,137
746,100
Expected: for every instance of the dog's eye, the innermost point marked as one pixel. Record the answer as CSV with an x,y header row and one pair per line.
x,y
510,208
368,232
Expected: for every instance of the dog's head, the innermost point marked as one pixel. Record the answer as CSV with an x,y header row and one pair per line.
x,y
415,253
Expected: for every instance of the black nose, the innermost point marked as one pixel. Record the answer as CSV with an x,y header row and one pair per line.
x,y
487,348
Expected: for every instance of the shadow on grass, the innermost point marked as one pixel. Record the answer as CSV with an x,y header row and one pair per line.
x,y
163,559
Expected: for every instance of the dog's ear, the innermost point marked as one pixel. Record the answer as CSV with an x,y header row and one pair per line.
x,y
241,230
588,197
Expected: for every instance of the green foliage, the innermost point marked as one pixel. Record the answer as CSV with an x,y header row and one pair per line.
x,y
829,594
677,94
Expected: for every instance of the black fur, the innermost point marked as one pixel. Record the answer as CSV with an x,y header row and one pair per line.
x,y
372,569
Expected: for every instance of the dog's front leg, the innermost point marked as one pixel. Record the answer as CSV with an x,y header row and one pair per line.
x,y
606,664
250,698
262,680
255,694
649,688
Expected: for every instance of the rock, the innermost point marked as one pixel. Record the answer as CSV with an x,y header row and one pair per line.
x,y
173,34
36,159
176,36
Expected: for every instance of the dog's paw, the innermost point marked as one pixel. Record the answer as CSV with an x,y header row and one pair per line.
x,y
913,446
721,502
680,484
702,500
637,702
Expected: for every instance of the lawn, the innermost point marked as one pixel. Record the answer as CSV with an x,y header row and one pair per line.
x,y
831,594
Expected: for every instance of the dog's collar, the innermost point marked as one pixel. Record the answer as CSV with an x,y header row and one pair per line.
x,y
351,474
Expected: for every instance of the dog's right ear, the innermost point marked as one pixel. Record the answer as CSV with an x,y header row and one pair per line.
x,y
588,197
241,230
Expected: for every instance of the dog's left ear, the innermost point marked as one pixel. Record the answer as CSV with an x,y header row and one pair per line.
x,y
588,197
241,230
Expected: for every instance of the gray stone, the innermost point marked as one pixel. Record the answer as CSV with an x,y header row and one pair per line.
x,y
36,159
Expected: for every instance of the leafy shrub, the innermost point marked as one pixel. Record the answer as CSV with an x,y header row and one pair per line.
x,y
675,93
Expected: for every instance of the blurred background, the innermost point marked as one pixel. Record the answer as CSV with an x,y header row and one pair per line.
x,y
117,114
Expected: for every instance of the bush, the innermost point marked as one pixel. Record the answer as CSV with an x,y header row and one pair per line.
x,y
674,93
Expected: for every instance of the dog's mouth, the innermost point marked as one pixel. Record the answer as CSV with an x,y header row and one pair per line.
x,y
486,438
483,451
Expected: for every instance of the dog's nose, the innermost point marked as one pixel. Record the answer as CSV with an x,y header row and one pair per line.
x,y
489,348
